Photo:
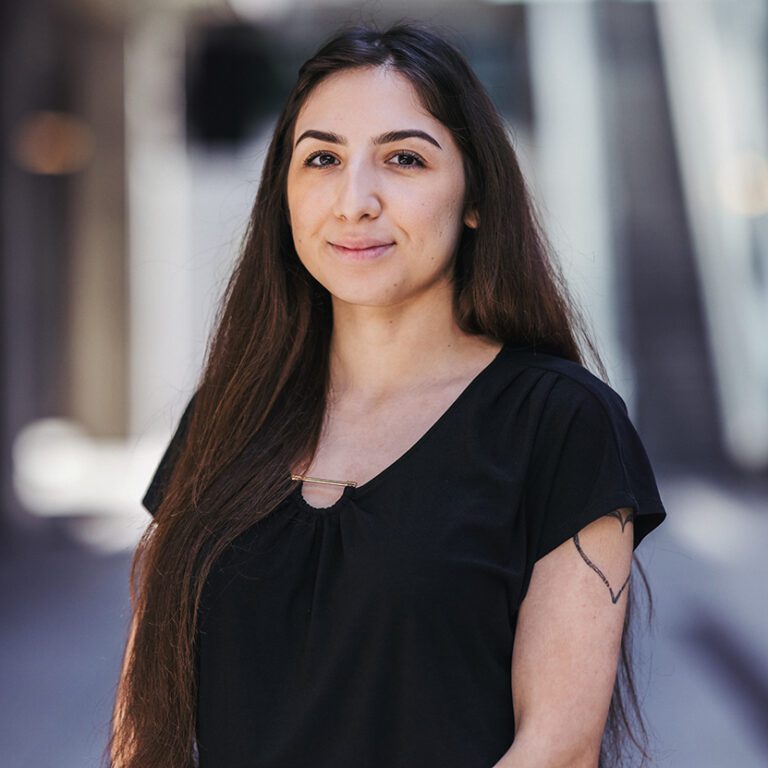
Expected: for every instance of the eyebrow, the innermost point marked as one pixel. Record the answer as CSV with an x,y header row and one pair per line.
x,y
385,138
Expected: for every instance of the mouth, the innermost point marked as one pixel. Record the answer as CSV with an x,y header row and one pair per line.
x,y
361,254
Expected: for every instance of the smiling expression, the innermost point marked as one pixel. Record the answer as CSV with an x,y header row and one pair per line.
x,y
375,189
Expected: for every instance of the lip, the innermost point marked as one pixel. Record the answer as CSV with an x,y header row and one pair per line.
x,y
360,244
370,250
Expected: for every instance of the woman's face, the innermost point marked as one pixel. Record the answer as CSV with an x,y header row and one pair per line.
x,y
351,186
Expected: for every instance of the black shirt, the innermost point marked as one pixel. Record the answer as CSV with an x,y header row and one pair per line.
x,y
378,632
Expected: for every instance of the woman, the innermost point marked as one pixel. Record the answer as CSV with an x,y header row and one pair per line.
x,y
396,522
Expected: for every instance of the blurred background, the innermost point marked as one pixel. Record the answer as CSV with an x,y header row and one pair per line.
x,y
133,134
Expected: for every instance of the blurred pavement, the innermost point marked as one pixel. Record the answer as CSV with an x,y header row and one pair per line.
x,y
703,669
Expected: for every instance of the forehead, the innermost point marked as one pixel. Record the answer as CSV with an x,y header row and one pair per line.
x,y
363,99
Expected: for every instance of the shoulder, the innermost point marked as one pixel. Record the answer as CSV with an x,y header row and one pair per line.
x,y
564,385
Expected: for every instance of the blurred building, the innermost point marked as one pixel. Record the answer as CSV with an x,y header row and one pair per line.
x,y
133,135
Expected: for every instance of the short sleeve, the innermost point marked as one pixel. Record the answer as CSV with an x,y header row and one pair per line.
x,y
154,493
587,461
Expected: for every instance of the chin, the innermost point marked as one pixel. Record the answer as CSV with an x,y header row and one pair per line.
x,y
369,296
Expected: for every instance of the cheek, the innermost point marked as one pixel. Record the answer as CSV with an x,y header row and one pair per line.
x,y
299,214
308,207
440,219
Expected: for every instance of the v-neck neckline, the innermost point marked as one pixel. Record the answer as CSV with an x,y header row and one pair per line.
x,y
356,491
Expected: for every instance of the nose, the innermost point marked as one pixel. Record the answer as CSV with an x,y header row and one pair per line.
x,y
357,194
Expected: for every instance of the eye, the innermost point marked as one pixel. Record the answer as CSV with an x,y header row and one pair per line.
x,y
417,162
404,159
320,153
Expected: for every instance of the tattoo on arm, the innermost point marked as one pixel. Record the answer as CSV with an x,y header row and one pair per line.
x,y
623,518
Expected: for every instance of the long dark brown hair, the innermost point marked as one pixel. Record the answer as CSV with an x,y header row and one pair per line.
x,y
260,400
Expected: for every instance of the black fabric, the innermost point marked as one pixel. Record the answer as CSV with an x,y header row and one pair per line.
x,y
154,493
378,632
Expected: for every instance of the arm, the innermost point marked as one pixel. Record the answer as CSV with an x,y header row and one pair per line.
x,y
567,645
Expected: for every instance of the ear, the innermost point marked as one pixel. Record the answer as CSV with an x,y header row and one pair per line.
x,y
471,219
